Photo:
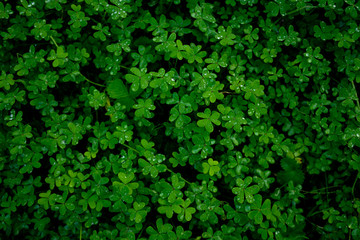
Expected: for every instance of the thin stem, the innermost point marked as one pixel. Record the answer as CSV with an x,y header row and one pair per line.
x,y
318,191
232,93
326,183
97,84
181,176
54,41
357,97
130,147
141,231
317,212
299,9
353,187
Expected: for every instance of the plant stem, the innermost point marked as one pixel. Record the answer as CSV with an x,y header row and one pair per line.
x,y
299,9
54,41
130,147
353,187
98,84
357,97
181,176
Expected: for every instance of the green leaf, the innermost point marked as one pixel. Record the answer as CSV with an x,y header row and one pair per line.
x,y
5,10
143,108
126,178
212,92
243,191
117,90
188,211
44,199
225,37
210,118
97,99
256,213
251,34
139,79
137,213
59,58
78,18
6,80
192,53
92,201
101,32
211,167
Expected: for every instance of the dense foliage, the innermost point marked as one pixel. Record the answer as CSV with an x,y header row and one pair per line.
x,y
170,119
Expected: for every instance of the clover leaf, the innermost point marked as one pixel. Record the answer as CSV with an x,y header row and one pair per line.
x,y
166,42
41,29
101,32
138,212
280,145
204,79
163,80
203,15
44,199
202,144
162,231
143,57
215,63
244,191
230,139
211,167
186,211
260,208
323,31
258,108
234,119
212,92
55,4
353,8
97,99
251,34
180,25
120,9
5,10
209,209
153,165
6,80
78,18
238,165
225,37
289,37
253,89
143,108
192,53
59,58
168,208
157,27
139,78
268,55
118,47
209,118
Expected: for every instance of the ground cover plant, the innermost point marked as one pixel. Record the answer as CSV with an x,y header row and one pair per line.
x,y
174,119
